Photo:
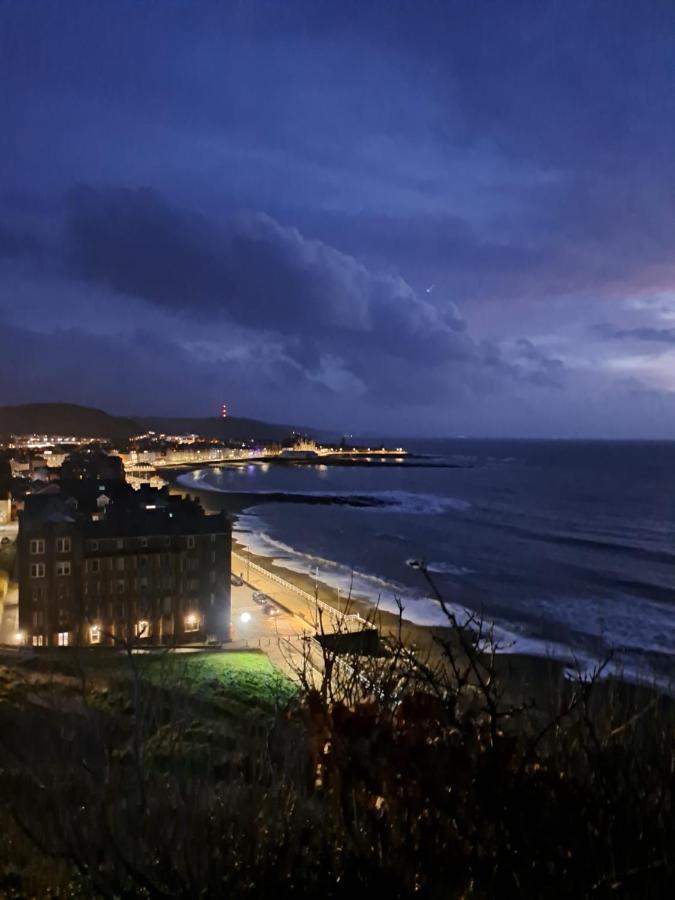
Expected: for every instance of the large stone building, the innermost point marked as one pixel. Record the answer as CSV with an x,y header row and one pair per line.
x,y
105,564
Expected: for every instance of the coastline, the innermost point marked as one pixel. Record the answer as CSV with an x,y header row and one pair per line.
x,y
524,675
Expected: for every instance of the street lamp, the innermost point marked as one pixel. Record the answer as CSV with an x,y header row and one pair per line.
x,y
316,596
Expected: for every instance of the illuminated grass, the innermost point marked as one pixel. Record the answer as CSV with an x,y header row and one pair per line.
x,y
241,675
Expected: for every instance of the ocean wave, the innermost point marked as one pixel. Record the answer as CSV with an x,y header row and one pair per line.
x,y
447,568
420,504
583,641
406,502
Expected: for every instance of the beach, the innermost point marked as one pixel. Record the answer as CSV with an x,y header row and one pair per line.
x,y
524,676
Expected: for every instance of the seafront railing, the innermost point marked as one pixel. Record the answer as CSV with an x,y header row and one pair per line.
x,y
289,586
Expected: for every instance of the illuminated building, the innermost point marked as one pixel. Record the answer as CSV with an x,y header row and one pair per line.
x,y
105,564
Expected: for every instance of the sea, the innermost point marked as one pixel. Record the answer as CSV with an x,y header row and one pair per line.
x,y
568,547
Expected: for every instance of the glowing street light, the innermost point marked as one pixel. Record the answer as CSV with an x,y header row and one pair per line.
x,y
245,617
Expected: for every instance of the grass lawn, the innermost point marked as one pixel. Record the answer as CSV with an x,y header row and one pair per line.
x,y
244,675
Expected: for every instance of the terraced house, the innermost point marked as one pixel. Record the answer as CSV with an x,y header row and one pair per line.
x,y
105,564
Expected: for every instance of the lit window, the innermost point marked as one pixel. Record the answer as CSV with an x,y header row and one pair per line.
x,y
95,634
37,547
192,622
37,570
63,545
38,640
142,628
63,567
62,638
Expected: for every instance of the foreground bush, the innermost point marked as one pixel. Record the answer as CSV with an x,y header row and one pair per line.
x,y
416,777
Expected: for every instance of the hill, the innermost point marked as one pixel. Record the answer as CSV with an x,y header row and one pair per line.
x,y
64,419
85,421
229,429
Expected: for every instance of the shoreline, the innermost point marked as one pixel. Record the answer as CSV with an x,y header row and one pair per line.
x,y
525,675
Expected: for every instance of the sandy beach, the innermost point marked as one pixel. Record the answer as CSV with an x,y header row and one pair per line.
x,y
525,675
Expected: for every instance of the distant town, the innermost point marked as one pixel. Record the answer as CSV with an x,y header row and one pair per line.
x,y
96,548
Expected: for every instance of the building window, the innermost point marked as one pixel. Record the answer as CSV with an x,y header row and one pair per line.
x,y
93,545
95,634
143,628
37,596
144,542
120,563
191,542
63,545
213,538
38,640
37,547
38,619
213,577
121,586
93,565
192,622
62,638
120,543
37,570
193,564
63,567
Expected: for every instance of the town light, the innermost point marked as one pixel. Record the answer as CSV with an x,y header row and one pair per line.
x,y
95,634
191,622
20,637
245,617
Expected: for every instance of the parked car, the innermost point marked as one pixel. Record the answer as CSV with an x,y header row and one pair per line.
x,y
259,597
236,580
271,609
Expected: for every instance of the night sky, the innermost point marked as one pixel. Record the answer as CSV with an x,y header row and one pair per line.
x,y
433,218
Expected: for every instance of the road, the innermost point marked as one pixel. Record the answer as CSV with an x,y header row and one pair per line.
x,y
280,637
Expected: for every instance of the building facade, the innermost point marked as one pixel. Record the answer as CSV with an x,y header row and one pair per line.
x,y
110,565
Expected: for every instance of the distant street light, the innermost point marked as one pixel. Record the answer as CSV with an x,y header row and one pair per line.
x,y
245,617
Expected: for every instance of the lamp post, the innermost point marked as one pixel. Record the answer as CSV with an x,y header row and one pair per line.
x,y
316,596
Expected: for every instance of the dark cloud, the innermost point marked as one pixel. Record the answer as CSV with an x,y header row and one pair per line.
x,y
258,273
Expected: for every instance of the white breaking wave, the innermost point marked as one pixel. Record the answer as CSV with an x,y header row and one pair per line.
x,y
402,501
446,568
